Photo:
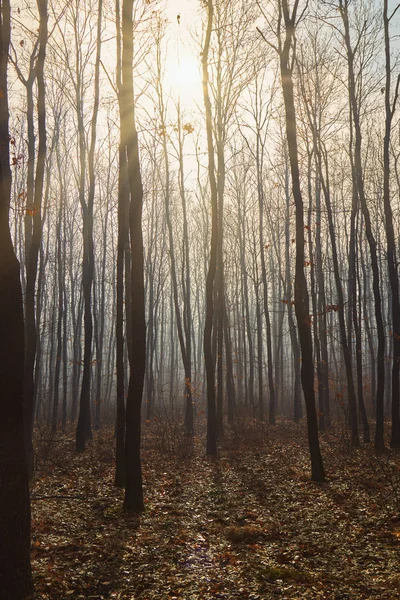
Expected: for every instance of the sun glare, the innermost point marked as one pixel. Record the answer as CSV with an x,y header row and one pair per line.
x,y
183,78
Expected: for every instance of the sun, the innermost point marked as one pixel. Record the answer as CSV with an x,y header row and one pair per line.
x,y
183,78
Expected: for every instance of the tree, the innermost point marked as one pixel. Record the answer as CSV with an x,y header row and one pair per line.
x,y
390,106
122,242
33,216
83,430
288,20
15,571
313,109
133,501
183,319
260,113
209,319
358,183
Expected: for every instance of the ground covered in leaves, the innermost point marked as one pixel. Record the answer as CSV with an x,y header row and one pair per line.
x,y
249,525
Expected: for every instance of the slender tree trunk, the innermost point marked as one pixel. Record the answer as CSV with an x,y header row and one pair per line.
x,y
208,327
391,249
84,428
60,276
301,292
360,383
340,308
359,182
133,501
260,191
317,347
122,243
35,241
297,406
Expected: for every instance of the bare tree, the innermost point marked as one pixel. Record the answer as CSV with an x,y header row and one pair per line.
x,y
33,216
390,106
133,501
15,573
83,430
287,22
208,327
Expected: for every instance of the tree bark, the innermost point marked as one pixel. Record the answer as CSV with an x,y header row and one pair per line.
x,y
84,428
391,248
208,327
15,572
359,182
301,292
133,501
36,235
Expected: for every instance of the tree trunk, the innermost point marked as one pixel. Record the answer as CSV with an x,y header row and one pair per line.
x,y
391,250
359,182
15,572
35,241
301,292
133,501
208,327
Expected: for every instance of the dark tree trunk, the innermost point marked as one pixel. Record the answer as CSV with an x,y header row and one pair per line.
x,y
230,384
122,243
15,571
359,182
260,191
357,315
391,250
84,428
340,307
297,406
133,501
322,327
301,292
208,327
35,240
60,293
248,358
317,346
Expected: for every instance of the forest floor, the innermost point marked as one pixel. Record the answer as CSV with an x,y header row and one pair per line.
x,y
249,525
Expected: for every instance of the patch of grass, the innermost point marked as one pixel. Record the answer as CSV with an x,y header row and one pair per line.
x,y
286,574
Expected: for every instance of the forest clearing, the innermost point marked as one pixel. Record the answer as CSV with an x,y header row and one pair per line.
x,y
247,525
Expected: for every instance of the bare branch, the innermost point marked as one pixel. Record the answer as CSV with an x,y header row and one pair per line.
x,y
394,12
396,95
267,41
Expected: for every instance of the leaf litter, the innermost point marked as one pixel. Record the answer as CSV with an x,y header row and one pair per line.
x,y
247,525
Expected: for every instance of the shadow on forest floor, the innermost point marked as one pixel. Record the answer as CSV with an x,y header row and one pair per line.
x,y
249,525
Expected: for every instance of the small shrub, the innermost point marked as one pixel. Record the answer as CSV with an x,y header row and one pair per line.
x,y
286,574
169,437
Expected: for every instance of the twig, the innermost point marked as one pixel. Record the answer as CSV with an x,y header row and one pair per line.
x,y
62,497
